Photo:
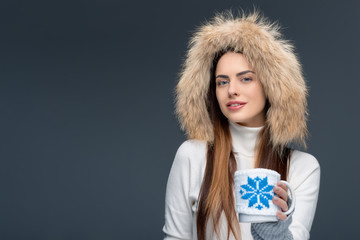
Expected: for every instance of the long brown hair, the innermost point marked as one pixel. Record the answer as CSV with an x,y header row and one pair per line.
x,y
216,193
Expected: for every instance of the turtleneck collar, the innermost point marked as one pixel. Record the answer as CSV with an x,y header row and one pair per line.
x,y
244,138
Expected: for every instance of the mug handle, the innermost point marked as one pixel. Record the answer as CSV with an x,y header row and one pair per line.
x,y
293,198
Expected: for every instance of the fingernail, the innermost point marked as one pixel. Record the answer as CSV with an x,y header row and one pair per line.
x,y
275,198
276,188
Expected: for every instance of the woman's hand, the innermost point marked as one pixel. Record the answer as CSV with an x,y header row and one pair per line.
x,y
279,229
281,200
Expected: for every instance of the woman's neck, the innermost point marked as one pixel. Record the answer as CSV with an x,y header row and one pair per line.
x,y
244,138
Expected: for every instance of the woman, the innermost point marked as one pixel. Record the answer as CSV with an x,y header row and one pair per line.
x,y
242,100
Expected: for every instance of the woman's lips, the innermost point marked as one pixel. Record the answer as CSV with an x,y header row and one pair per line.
x,y
235,105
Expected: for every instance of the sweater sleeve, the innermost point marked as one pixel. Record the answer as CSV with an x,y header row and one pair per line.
x,y
272,230
304,177
178,214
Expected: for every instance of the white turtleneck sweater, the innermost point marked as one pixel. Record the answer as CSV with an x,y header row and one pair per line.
x,y
186,176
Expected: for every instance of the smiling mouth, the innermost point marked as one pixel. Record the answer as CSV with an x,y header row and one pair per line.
x,y
234,104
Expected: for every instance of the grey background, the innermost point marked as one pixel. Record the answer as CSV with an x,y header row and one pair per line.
x,y
88,133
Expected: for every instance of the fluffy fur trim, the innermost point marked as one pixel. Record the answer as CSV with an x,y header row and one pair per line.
x,y
273,60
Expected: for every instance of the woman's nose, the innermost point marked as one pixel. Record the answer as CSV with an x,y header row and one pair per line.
x,y
233,89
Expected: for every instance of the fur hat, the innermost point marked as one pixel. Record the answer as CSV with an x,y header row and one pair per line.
x,y
273,60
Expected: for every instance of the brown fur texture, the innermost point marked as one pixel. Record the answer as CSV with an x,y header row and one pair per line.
x,y
271,57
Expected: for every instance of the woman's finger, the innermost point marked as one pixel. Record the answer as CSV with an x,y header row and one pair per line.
x,y
281,215
281,190
280,203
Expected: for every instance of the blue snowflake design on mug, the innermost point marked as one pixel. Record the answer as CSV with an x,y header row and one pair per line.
x,y
258,192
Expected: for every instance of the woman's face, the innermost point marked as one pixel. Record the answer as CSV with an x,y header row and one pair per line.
x,y
239,93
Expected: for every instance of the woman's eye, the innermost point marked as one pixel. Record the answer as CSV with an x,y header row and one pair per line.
x,y
246,79
222,82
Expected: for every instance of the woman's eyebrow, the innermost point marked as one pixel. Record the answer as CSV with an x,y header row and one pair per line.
x,y
222,76
243,72
238,74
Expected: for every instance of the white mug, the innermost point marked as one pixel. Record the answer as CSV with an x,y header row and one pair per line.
x,y
254,193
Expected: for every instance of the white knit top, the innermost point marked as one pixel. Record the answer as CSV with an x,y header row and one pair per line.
x,y
186,176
